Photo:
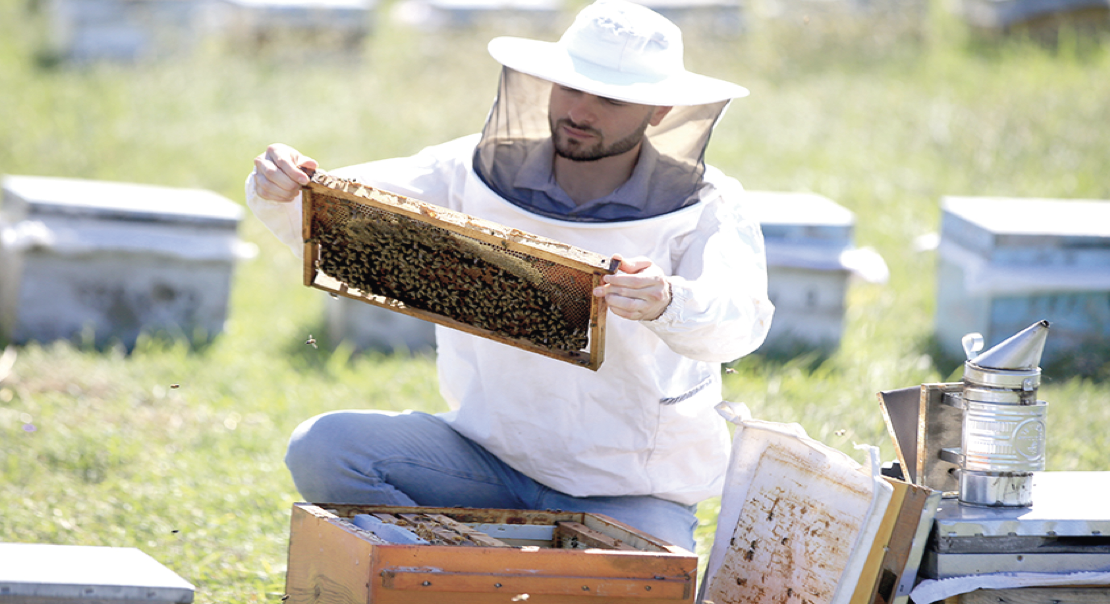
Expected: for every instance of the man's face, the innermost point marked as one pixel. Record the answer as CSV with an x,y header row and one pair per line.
x,y
585,127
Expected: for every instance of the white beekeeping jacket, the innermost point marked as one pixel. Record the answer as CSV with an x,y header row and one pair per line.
x,y
644,423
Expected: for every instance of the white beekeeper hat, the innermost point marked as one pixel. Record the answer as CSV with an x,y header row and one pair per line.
x,y
619,50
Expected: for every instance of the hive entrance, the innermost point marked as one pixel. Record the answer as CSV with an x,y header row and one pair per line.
x,y
453,269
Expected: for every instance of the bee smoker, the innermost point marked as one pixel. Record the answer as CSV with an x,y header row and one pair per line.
x,y
1003,427
980,439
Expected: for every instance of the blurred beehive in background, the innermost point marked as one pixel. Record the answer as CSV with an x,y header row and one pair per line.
x,y
83,258
1037,17
510,16
131,30
1004,263
702,17
811,258
317,24
126,30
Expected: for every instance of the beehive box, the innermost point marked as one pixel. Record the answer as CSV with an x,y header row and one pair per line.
x,y
1005,263
39,573
455,270
92,30
1033,15
714,17
997,554
532,15
322,24
807,237
480,555
105,260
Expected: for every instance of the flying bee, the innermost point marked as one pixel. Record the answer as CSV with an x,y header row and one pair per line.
x,y
311,341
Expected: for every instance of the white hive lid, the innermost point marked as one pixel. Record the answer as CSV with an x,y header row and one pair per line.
x,y
87,573
37,195
801,217
987,223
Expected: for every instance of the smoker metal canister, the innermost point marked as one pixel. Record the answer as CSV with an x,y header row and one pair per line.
x,y
1003,432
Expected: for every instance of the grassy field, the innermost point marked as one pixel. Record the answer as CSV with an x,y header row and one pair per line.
x,y
178,451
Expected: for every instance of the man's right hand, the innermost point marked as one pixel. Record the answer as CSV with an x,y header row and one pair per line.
x,y
278,173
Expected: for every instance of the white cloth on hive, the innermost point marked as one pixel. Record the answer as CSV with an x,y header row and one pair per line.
x,y
935,590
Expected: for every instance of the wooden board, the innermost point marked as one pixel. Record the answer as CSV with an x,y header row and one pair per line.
x,y
891,569
869,581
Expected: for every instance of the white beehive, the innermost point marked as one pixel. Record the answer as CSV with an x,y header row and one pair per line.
x,y
719,17
322,23
810,257
38,573
1007,15
1004,263
531,15
81,258
90,30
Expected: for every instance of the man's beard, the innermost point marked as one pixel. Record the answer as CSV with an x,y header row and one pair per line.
x,y
573,150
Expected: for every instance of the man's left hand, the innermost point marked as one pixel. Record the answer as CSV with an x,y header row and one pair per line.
x,y
640,291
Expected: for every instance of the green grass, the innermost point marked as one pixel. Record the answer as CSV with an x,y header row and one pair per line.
x,y
100,448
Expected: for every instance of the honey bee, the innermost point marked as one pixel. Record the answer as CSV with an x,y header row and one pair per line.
x,y
311,341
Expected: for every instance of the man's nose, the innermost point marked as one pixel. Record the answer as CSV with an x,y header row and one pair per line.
x,y
583,111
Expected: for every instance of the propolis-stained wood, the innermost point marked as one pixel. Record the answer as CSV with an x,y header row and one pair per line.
x,y
589,557
453,269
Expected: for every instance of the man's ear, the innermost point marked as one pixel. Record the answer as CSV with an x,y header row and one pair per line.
x,y
658,115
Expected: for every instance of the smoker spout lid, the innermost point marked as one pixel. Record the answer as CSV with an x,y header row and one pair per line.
x,y
1021,351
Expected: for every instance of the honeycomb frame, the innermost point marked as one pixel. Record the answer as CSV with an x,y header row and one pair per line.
x,y
329,199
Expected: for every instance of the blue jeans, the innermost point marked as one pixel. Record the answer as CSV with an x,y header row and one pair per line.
x,y
416,459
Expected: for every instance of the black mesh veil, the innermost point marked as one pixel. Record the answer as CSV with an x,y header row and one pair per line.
x,y
518,122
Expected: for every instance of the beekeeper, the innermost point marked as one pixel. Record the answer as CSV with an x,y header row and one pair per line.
x,y
596,140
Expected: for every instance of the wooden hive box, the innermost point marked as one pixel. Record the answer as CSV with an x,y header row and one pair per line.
x,y
480,555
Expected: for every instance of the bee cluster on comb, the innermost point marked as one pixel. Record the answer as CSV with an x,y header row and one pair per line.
x,y
454,269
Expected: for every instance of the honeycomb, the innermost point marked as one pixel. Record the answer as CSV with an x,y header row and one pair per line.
x,y
454,269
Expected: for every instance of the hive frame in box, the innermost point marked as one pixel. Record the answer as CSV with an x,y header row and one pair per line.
x,y
331,559
326,189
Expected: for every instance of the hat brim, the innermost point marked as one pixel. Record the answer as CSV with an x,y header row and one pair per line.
x,y
550,61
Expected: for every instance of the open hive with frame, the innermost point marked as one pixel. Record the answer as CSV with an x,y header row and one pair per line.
x,y
478,556
454,269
